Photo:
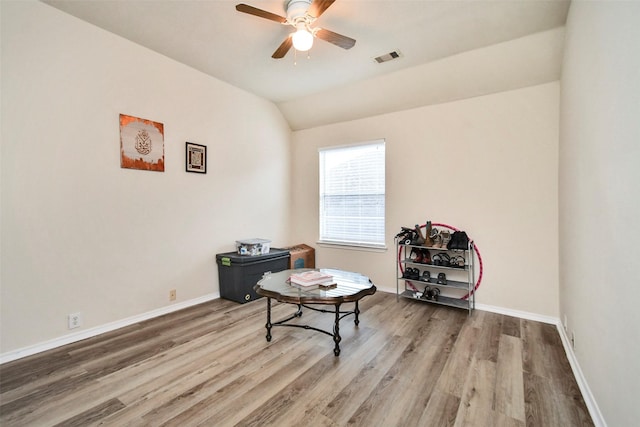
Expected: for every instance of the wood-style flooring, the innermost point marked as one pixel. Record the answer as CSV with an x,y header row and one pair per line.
x,y
407,364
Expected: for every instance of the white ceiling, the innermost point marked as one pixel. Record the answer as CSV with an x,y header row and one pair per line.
x,y
211,36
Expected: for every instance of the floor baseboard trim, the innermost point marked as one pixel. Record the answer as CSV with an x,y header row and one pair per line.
x,y
92,332
502,310
589,400
517,313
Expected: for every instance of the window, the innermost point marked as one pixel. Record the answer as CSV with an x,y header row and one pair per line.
x,y
352,195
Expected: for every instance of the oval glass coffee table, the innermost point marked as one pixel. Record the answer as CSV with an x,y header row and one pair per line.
x,y
349,288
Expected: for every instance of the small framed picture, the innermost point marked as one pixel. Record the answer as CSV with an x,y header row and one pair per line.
x,y
196,158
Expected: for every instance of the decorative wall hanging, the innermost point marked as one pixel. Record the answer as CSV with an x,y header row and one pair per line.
x,y
196,158
141,144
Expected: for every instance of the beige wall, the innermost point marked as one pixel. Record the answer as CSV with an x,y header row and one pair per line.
x,y
600,201
80,234
488,165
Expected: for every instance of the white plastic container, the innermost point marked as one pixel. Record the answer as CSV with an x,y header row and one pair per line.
x,y
253,246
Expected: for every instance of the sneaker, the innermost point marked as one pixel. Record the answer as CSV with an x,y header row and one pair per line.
x,y
442,279
411,273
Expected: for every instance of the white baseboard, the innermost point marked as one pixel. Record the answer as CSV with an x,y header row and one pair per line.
x,y
501,310
517,313
589,400
92,332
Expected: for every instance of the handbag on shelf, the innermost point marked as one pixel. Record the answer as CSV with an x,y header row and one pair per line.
x,y
459,240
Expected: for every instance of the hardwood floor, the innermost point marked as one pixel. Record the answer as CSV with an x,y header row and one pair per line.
x,y
407,364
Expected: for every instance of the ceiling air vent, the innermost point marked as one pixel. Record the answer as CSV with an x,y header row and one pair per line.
x,y
388,57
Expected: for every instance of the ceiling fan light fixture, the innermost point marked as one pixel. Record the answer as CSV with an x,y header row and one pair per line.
x,y
302,39
301,14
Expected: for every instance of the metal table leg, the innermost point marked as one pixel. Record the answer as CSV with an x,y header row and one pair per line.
x,y
336,332
268,325
356,312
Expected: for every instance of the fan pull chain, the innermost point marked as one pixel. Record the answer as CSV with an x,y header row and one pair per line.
x,y
295,56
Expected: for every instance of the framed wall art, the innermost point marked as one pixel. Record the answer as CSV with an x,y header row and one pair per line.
x,y
196,158
141,144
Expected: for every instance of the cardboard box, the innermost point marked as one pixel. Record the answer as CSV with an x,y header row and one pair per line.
x,y
302,256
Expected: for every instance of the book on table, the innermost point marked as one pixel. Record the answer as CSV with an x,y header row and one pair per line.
x,y
310,278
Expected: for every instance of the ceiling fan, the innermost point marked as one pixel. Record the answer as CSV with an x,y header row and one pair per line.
x,y
301,14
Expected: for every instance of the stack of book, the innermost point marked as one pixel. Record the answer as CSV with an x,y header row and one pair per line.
x,y
312,280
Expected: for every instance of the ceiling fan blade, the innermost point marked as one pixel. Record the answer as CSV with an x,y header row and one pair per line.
x,y
335,38
282,50
260,13
318,7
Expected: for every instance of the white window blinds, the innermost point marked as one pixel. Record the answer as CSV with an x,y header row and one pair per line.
x,y
352,194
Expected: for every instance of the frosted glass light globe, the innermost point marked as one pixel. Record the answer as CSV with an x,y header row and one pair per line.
x,y
302,40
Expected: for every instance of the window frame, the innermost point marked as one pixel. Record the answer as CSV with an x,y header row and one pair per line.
x,y
337,242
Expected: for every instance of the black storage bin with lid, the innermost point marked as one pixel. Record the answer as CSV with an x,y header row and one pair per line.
x,y
238,274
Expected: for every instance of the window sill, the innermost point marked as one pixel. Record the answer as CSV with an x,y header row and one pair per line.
x,y
352,246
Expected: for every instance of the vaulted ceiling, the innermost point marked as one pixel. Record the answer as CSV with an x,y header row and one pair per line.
x,y
333,84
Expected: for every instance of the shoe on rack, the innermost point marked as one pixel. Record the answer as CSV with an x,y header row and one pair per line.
x,y
419,240
436,238
427,239
406,236
442,279
457,261
445,235
432,293
426,276
426,256
415,255
441,259
411,273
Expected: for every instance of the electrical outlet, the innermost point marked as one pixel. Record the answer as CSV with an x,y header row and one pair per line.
x,y
573,340
75,320
172,295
